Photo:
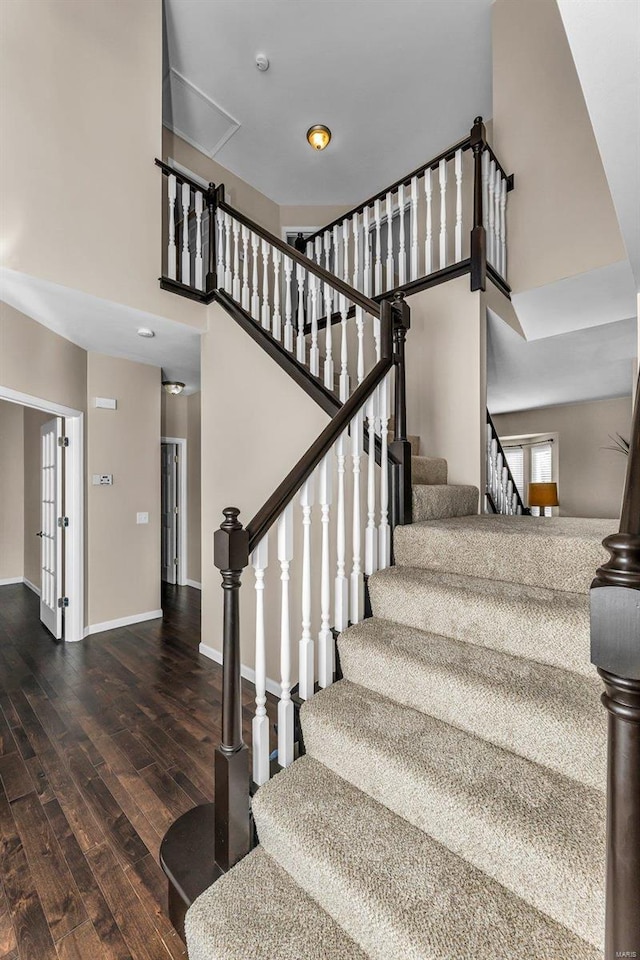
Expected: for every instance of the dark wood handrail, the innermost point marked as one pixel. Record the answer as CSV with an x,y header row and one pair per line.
x,y
285,492
182,177
630,516
351,294
494,432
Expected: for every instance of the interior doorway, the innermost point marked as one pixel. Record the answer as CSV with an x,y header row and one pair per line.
x,y
174,510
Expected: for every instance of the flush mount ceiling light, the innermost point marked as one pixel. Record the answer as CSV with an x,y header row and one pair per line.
x,y
319,136
146,332
174,387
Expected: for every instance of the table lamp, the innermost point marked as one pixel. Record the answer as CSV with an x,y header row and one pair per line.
x,y
543,495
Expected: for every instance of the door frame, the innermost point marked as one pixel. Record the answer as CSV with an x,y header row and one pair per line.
x,y
73,624
182,507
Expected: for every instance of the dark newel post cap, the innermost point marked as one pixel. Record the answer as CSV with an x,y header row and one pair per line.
x,y
401,311
478,134
231,542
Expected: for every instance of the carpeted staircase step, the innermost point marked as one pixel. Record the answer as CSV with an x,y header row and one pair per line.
x,y
537,833
257,912
550,716
438,501
549,626
561,553
394,890
428,470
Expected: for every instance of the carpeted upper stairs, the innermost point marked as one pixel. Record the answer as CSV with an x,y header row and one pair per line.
x,y
451,801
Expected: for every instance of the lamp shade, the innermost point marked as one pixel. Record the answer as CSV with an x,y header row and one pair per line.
x,y
543,495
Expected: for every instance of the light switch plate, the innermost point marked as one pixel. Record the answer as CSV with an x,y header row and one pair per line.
x,y
142,518
102,479
106,403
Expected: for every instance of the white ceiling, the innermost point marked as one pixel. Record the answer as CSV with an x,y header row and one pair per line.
x,y
604,36
106,327
396,81
591,364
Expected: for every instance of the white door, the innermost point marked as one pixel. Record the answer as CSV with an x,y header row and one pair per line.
x,y
170,512
51,534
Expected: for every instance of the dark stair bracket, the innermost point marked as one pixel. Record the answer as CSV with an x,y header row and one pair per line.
x,y
187,857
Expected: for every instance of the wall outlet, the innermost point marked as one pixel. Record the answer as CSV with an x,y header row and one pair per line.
x,y
102,479
106,403
142,518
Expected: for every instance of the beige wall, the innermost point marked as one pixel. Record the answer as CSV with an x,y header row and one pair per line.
x,y
11,491
123,556
33,420
446,379
591,478
561,219
181,418
81,108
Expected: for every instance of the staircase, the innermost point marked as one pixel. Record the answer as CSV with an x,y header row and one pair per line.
x,y
439,788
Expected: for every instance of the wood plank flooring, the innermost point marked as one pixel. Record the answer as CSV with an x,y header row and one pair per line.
x,y
103,744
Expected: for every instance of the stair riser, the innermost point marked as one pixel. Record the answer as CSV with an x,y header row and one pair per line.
x,y
436,502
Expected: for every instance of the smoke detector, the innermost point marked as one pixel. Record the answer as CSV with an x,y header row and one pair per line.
x,y
262,62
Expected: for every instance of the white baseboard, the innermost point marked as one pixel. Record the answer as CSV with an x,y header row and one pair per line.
x,y
7,581
121,622
247,672
31,586
194,583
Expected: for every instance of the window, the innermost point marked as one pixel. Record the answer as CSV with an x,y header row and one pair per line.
x,y
515,459
541,463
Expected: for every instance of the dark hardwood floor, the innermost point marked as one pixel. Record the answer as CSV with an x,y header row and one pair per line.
x,y
103,744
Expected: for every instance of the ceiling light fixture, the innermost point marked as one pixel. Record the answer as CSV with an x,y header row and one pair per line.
x,y
146,332
319,136
174,387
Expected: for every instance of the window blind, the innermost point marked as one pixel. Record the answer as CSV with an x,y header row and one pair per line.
x,y
541,463
515,459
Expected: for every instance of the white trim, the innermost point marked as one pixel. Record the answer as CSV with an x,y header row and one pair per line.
x,y
122,622
234,124
195,584
31,586
182,507
6,581
74,505
247,672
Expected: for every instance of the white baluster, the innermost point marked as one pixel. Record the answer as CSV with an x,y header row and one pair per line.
x,y
198,259
276,323
390,264
442,179
185,263
458,235
384,530
288,306
172,265
245,269
220,248
255,295
503,228
356,251
360,333
378,260
260,725
371,533
266,309
314,353
345,251
344,355
327,251
496,220
357,582
307,647
337,262
325,637
485,192
328,371
236,261
301,346
341,591
414,229
318,259
366,243
285,706
228,272
402,252
492,213
428,244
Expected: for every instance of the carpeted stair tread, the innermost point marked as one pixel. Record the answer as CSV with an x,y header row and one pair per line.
x,y
537,833
549,626
561,553
428,470
438,501
550,716
394,890
257,912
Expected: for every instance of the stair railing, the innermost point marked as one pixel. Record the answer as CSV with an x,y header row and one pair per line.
x,y
501,491
416,229
615,651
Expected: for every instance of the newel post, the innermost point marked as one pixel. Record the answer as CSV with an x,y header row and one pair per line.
x,y
232,822
478,233
400,446
615,651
